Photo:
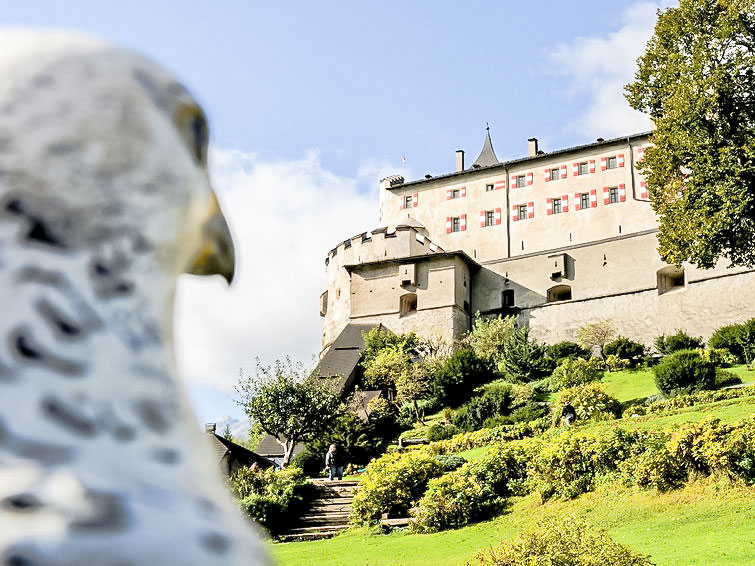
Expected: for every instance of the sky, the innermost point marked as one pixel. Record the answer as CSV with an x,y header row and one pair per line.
x,y
311,103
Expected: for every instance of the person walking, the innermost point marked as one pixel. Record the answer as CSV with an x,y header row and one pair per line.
x,y
333,463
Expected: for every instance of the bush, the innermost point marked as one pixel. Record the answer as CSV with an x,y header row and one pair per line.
x,y
441,432
685,371
454,378
524,359
615,363
566,541
729,338
576,371
680,341
562,350
451,462
495,400
726,378
474,492
391,484
589,402
626,349
271,497
682,401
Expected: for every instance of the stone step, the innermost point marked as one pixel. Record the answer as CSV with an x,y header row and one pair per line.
x,y
329,508
312,533
313,520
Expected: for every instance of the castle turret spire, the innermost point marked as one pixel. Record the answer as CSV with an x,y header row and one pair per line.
x,y
487,156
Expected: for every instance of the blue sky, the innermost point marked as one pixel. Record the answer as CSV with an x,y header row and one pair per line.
x,y
310,103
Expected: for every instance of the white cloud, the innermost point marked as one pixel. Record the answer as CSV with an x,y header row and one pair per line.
x,y
284,217
239,428
599,66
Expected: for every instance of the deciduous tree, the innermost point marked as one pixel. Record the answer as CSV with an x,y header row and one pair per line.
x,y
288,403
696,80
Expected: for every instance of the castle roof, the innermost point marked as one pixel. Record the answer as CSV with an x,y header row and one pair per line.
x,y
487,156
410,222
511,162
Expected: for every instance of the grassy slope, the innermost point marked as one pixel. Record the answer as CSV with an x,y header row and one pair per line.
x,y
719,525
699,525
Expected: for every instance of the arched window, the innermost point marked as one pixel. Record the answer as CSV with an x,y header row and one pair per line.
x,y
559,293
670,278
408,304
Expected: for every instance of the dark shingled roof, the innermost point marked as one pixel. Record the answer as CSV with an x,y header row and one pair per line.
x,y
270,448
487,156
232,452
340,361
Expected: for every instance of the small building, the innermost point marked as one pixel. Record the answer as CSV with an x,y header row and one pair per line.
x,y
270,449
231,456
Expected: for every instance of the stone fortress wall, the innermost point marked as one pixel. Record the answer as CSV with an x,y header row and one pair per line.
x,y
558,239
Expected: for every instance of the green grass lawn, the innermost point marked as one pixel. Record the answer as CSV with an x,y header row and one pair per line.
x,y
630,384
701,525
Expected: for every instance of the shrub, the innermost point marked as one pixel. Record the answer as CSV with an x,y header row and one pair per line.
x,y
557,541
441,432
566,349
451,462
726,378
524,359
391,484
626,349
728,338
576,371
454,378
719,357
589,402
567,465
272,497
495,400
615,363
682,401
473,492
684,371
680,341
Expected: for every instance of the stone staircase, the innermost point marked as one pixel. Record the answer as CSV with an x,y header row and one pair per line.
x,y
328,514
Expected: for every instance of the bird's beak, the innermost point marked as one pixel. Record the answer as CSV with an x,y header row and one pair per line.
x,y
216,255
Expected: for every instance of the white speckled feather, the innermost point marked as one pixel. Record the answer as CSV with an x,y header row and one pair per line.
x,y
104,201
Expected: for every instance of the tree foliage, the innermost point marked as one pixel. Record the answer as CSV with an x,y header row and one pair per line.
x,y
695,80
288,403
596,335
524,359
488,336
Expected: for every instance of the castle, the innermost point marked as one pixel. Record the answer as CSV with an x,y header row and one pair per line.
x,y
558,239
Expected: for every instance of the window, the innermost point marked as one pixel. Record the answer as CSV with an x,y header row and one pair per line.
x,y
522,212
408,304
456,193
489,218
670,278
521,181
455,224
408,201
508,298
613,195
555,174
611,163
584,168
584,200
559,293
556,206
488,188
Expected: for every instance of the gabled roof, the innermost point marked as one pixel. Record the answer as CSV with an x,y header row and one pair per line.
x,y
270,447
487,156
341,359
221,447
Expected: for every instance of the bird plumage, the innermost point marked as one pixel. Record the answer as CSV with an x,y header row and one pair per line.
x,y
104,201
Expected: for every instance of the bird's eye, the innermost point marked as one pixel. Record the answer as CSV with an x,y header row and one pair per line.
x,y
199,136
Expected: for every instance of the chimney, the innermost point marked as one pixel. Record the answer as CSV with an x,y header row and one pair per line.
x,y
209,428
459,160
532,147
